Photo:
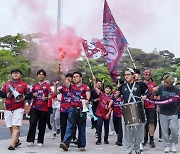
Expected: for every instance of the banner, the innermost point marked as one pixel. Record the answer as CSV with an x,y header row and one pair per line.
x,y
94,49
113,40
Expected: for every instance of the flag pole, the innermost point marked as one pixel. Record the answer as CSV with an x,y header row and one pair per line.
x,y
89,65
131,57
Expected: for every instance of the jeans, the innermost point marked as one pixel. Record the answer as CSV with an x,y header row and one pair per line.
x,y
76,118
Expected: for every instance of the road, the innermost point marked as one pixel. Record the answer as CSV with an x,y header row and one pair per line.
x,y
51,146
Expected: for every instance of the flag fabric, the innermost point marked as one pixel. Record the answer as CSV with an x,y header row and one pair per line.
x,y
113,40
94,49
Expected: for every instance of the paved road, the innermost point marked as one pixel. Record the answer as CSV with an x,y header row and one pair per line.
x,y
51,146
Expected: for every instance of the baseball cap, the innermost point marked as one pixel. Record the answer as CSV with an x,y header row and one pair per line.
x,y
131,70
147,72
169,78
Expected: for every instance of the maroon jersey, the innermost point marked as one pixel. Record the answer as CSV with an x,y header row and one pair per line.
x,y
21,87
65,99
77,94
116,107
43,90
150,85
102,109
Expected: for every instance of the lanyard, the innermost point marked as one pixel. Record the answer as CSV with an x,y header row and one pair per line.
x,y
131,92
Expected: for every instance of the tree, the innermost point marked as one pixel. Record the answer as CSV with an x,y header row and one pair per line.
x,y
9,62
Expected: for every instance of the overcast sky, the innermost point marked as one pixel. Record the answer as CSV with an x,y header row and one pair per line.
x,y
146,24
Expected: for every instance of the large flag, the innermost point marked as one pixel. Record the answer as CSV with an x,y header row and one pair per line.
x,y
114,41
94,49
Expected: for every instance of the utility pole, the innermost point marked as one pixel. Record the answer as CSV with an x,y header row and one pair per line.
x,y
59,15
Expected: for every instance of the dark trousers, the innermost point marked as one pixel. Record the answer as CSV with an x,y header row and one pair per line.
x,y
99,128
40,118
63,123
76,118
118,128
160,131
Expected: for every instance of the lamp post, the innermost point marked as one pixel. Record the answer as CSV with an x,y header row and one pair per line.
x,y
59,15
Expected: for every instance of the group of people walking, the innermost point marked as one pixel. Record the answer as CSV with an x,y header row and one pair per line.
x,y
133,103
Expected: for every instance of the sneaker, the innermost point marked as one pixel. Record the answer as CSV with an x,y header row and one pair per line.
x,y
58,131
160,140
167,150
139,152
30,144
141,147
39,144
75,141
96,135
173,148
82,149
111,133
151,143
98,143
11,148
106,142
144,144
18,143
53,136
63,146
92,127
119,143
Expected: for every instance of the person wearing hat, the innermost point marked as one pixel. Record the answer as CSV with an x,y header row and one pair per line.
x,y
132,91
169,112
150,110
14,108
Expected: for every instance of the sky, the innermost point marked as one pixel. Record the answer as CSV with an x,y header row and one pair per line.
x,y
146,24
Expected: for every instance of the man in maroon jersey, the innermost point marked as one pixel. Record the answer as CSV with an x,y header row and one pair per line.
x,y
39,110
65,104
14,109
150,110
79,92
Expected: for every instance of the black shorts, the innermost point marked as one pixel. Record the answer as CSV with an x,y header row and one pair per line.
x,y
151,115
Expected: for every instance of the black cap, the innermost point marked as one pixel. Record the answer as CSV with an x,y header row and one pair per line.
x,y
137,71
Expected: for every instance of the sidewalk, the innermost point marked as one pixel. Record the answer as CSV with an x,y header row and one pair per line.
x,y
51,146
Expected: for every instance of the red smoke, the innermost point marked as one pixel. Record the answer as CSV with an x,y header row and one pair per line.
x,y
65,48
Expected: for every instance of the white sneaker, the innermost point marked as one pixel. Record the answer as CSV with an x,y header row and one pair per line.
x,y
167,150
30,144
40,144
111,133
141,147
173,148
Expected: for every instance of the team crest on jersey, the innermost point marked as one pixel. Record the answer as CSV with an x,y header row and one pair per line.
x,y
81,89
